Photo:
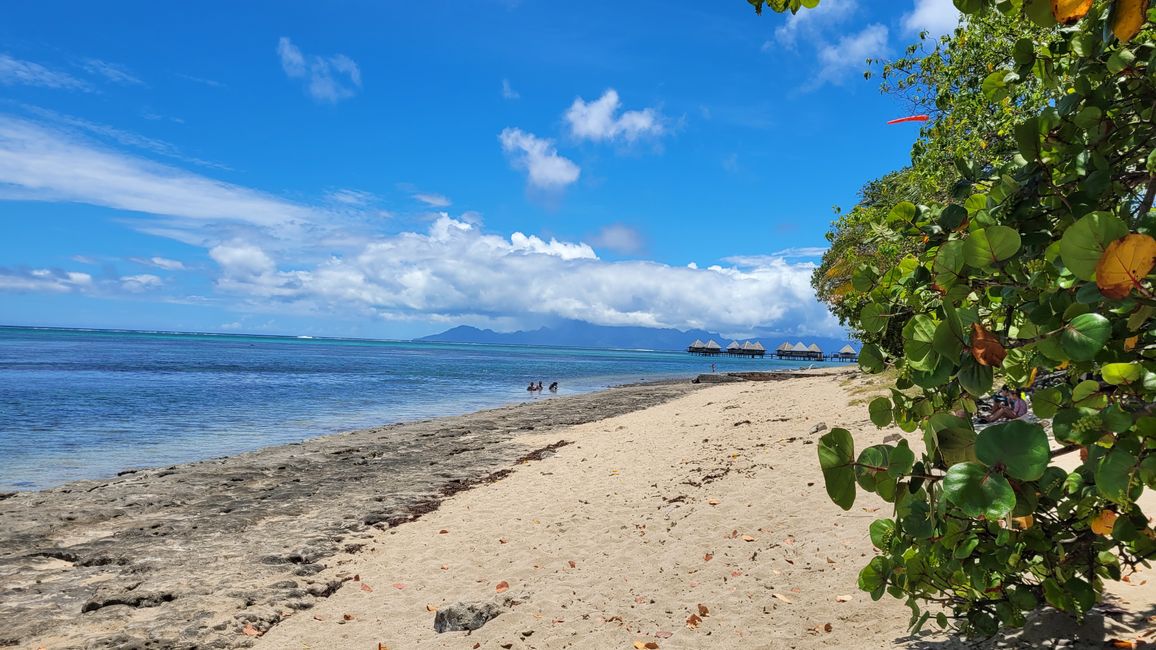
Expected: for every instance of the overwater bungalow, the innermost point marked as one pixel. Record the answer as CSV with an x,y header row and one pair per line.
x,y
847,353
711,348
747,349
799,351
735,348
696,347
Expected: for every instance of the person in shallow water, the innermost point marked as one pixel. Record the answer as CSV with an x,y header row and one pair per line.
x,y
554,387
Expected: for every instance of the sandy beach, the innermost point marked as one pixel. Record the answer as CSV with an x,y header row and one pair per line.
x,y
684,517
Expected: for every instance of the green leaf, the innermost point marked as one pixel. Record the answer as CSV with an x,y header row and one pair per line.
x,y
1019,447
1028,138
871,358
987,246
902,460
1084,242
949,338
1084,390
882,532
948,263
952,216
871,468
1114,475
873,577
918,334
952,436
1084,336
1046,402
872,318
836,458
1077,425
880,410
977,491
903,212
974,378
1121,373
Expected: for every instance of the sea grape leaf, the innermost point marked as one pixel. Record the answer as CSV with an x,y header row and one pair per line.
x,y
871,358
1020,447
1046,402
918,334
1114,474
974,378
836,458
1085,241
882,532
880,410
1129,18
948,262
1124,264
952,436
1084,336
985,347
1122,373
872,318
978,491
987,246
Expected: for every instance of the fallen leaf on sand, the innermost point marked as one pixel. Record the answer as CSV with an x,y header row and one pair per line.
x,y
399,585
782,598
249,630
347,617
703,610
477,645
733,534
502,540
443,531
365,587
502,586
748,538
638,600
827,627
357,577
645,645
708,557
445,567
820,628
843,599
713,502
789,540
430,608
663,635
830,561
736,573
1121,643
573,564
318,618
382,646
692,621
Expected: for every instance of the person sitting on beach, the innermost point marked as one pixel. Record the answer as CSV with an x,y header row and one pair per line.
x,y
554,387
1014,408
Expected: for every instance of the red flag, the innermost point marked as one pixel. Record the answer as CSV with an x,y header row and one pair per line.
x,y
912,118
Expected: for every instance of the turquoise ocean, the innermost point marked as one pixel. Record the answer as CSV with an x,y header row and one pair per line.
x,y
85,404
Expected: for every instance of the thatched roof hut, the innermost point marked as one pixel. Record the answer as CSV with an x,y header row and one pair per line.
x,y
734,345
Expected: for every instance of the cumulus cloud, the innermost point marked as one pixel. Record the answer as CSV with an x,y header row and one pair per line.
x,y
619,238
849,54
113,72
539,158
457,271
599,120
936,17
39,280
16,72
507,91
328,79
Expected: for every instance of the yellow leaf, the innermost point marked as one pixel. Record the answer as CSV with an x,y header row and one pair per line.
x,y
1069,11
986,349
645,645
1129,18
1130,343
1023,523
1103,523
1124,264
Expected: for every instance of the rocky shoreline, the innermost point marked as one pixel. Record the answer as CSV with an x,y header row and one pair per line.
x,y
194,555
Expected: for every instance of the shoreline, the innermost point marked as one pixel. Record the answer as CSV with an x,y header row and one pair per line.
x,y
172,554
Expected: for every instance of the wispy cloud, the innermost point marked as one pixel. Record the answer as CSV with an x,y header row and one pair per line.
x,y
352,197
599,120
826,33
161,263
619,238
16,72
328,79
507,91
812,24
433,200
539,158
848,55
212,83
936,17
113,72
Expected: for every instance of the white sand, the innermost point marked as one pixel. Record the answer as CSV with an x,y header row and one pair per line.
x,y
606,543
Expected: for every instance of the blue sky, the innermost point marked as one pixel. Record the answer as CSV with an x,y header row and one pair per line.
x,y
391,169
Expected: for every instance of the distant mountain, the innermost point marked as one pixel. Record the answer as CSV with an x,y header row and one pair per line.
x,y
584,335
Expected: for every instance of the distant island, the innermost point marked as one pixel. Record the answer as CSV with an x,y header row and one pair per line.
x,y
584,335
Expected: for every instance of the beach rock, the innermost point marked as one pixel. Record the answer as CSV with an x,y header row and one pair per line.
x,y
822,426
460,617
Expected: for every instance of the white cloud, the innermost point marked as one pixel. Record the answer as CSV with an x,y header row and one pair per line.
x,y
60,281
352,197
848,55
162,263
619,238
327,79
140,283
43,164
538,156
507,91
457,271
434,200
936,17
16,72
811,24
598,120
111,71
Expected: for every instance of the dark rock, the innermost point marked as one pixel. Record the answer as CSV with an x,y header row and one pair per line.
x,y
459,617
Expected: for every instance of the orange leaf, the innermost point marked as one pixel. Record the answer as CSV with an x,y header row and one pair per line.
x,y
443,531
1103,523
399,585
748,538
1069,11
1129,18
365,587
573,564
1124,265
382,646
1121,643
249,630
347,617
703,610
645,645
708,557
842,599
713,502
430,608
445,567
692,621
986,349
502,586
1023,523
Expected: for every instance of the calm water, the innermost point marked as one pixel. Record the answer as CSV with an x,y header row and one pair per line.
x,y
78,404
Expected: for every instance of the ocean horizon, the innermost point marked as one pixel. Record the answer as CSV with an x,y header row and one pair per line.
x,y
82,403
